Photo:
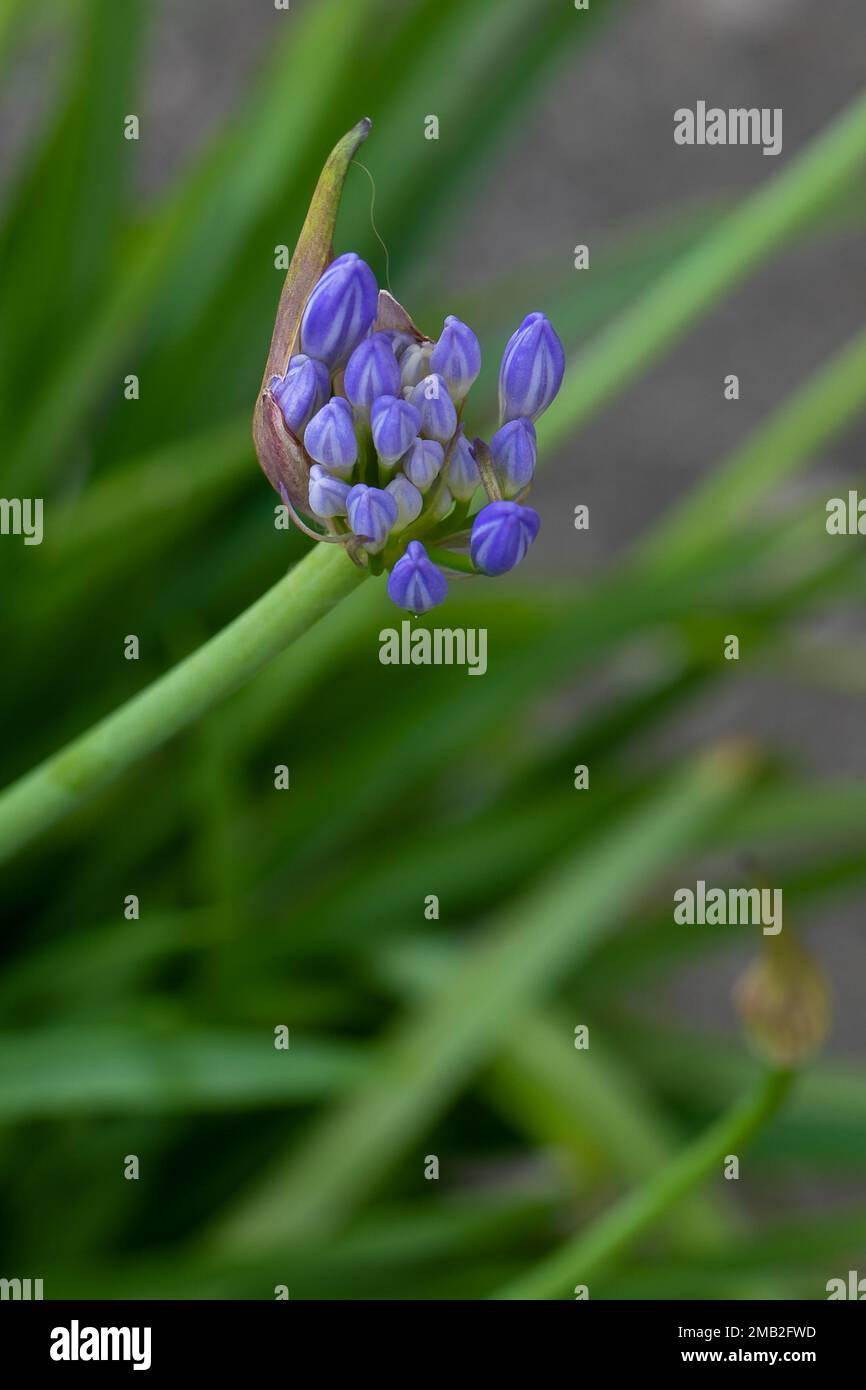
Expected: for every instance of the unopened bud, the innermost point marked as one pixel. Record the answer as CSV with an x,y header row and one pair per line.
x,y
457,357
436,408
371,372
783,1000
372,514
330,438
409,501
340,310
423,462
395,425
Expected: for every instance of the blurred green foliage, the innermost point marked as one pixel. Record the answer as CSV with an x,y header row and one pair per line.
x,y
155,1037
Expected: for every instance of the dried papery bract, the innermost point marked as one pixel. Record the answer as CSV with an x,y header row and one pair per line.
x,y
393,318
280,453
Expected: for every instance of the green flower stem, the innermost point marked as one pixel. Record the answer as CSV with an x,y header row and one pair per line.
x,y
452,559
590,1252
287,610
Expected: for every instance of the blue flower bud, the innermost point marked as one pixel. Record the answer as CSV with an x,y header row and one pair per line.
x,y
436,408
415,582
340,310
457,357
501,535
532,368
423,462
371,371
463,475
395,425
415,362
409,501
372,514
330,438
301,392
514,452
327,494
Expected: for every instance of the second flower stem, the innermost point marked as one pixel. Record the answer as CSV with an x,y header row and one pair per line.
x,y
592,1250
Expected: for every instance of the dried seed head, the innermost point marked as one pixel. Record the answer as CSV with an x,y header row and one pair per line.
x,y
783,999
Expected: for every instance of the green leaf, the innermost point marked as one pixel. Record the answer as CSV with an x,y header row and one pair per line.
x,y
173,258
425,1063
64,225
722,260
79,1071
823,407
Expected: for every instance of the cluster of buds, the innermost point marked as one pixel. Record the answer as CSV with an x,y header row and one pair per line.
x,y
375,411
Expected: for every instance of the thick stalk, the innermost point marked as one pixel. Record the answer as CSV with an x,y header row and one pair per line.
x,y
176,699
594,1249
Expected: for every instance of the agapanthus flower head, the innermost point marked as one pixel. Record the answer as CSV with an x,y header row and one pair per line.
x,y
301,391
328,494
422,462
395,424
514,451
463,476
364,432
371,371
409,501
340,311
456,357
372,514
436,408
532,368
502,532
415,582
330,438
